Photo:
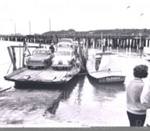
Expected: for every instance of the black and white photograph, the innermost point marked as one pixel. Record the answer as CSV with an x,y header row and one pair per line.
x,y
74,63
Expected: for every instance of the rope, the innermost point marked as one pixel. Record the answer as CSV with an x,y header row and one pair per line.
x,y
8,69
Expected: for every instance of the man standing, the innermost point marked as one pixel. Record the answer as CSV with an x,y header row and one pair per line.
x,y
136,111
52,47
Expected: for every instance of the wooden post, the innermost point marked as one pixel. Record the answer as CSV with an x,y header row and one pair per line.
x,y
86,42
19,56
16,39
140,43
12,57
146,42
137,44
81,57
40,43
23,53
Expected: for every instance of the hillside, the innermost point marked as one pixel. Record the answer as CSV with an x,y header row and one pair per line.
x,y
133,32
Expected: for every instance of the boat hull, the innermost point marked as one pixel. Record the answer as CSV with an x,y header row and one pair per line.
x,y
111,79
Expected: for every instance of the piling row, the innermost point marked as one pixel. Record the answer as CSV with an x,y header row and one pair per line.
x,y
93,41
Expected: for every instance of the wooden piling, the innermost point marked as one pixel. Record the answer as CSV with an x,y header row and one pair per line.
x,y
86,46
12,57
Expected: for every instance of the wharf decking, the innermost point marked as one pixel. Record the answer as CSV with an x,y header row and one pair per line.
x,y
48,75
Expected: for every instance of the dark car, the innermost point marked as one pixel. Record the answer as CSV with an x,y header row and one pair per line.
x,y
40,58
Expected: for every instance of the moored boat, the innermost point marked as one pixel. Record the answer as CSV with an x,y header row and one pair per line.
x,y
104,67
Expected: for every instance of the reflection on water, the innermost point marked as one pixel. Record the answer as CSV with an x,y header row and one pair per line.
x,y
88,103
106,91
80,88
68,88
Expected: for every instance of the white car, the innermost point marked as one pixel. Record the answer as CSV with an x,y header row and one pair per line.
x,y
64,59
65,44
66,40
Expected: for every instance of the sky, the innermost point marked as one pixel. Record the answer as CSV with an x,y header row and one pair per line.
x,y
39,16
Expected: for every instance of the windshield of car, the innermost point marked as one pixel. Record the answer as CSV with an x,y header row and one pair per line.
x,y
64,45
65,40
41,52
63,53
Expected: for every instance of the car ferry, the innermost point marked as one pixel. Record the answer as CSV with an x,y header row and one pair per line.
x,y
48,74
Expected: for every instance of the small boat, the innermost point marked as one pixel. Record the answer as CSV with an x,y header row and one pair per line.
x,y
104,67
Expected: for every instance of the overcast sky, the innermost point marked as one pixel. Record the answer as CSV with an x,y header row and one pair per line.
x,y
81,15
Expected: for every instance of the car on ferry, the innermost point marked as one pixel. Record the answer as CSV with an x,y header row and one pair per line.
x,y
67,43
64,59
40,58
66,40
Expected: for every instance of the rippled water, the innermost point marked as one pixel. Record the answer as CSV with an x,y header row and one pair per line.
x,y
91,104
84,101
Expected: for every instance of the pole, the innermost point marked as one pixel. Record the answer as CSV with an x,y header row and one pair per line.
x,y
19,56
49,24
24,49
15,28
29,27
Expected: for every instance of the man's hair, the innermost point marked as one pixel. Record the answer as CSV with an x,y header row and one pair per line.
x,y
140,71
